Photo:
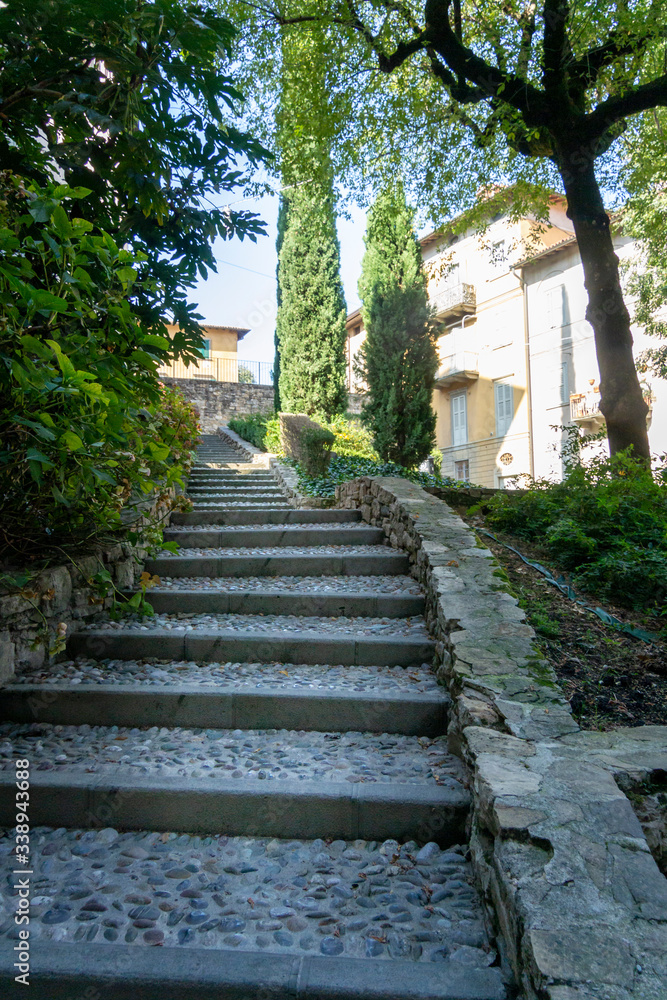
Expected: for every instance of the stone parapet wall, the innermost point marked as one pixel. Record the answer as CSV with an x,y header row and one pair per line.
x,y
62,596
578,901
217,402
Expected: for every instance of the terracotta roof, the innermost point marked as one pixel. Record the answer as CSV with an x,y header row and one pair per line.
x,y
241,331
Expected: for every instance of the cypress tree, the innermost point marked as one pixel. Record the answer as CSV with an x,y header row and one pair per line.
x,y
310,326
282,222
311,315
398,359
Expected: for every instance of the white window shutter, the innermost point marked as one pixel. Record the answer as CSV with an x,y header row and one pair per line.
x,y
504,407
459,419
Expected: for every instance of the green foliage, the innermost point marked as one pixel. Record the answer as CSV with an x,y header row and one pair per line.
x,y
245,376
317,443
606,524
86,424
311,317
260,429
131,101
351,437
342,469
398,359
645,219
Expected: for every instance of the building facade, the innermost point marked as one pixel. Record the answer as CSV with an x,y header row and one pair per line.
x,y
517,357
219,359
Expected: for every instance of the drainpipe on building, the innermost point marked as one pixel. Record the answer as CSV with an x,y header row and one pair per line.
x,y
529,391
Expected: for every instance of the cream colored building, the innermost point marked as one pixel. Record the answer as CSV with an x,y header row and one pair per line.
x,y
514,348
219,356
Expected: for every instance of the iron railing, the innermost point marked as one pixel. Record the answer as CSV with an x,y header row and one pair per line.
x,y
455,300
586,405
221,370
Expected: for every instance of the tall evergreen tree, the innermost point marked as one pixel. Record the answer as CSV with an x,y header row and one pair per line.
x,y
398,359
311,316
282,222
310,326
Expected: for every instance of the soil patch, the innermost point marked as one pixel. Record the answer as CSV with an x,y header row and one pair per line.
x,y
610,678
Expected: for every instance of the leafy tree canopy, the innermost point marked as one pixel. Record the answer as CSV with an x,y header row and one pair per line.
x,y
129,100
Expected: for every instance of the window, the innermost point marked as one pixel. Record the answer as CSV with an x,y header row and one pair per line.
x,y
504,407
553,307
205,349
564,384
499,253
462,471
459,419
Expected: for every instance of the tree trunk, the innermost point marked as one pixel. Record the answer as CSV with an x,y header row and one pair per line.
x,y
622,403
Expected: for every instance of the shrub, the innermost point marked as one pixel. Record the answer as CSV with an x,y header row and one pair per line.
x,y
260,429
86,425
316,443
343,468
606,524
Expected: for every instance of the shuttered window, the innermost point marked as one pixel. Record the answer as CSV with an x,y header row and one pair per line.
x,y
504,407
459,419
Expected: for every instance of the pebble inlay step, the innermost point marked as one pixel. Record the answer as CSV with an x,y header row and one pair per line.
x,y
215,754
380,584
275,676
411,627
341,899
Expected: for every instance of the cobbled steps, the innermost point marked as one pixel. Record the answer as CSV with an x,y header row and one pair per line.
x,y
278,731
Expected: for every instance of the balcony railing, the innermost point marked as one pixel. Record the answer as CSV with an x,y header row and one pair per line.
x,y
221,370
457,300
585,406
458,369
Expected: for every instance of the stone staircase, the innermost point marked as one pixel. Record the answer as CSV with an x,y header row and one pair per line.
x,y
256,779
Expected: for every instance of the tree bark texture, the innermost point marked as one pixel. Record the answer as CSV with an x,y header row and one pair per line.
x,y
622,402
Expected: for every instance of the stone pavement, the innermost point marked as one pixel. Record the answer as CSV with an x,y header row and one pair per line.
x,y
251,795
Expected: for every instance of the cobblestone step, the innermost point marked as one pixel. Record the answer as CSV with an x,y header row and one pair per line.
x,y
352,916
333,535
377,560
337,785
287,515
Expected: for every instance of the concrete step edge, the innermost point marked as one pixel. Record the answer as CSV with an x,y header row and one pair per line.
x,y
195,706
248,647
128,972
243,807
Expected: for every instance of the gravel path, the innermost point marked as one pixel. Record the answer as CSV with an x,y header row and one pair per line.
x,y
358,899
412,627
271,754
301,584
272,676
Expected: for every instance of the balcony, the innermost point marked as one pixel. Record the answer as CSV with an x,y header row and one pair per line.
x,y
585,408
221,370
458,369
456,300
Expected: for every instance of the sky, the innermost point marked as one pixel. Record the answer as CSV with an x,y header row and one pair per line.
x,y
243,292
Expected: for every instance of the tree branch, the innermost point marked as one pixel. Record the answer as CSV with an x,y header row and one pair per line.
x,y
585,71
556,43
467,66
633,102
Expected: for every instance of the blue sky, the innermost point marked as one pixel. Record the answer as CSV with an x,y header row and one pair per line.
x,y
243,292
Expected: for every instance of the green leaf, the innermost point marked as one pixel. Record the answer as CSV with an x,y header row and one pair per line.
x,y
34,455
61,223
71,441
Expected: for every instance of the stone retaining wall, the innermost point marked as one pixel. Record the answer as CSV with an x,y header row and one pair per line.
x,y
579,904
62,596
217,402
